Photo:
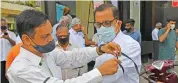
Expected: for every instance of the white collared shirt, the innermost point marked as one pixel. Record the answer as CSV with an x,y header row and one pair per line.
x,y
131,48
5,45
71,72
18,40
155,34
26,67
76,39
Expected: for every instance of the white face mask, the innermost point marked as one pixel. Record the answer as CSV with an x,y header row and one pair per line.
x,y
106,34
172,26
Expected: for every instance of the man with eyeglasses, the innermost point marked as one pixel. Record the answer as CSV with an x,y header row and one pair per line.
x,y
40,62
108,29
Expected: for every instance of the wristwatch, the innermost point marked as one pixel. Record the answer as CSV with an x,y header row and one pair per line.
x,y
99,49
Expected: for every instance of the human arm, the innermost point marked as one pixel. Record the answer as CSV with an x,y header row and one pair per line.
x,y
163,36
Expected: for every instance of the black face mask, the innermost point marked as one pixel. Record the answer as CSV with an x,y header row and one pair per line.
x,y
45,48
79,31
63,40
128,29
3,27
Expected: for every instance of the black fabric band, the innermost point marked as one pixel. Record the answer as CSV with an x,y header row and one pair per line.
x,y
122,68
46,80
136,67
100,48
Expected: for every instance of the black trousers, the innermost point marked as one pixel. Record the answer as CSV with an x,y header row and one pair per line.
x,y
3,72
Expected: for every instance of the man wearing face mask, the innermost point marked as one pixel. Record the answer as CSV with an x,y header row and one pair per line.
x,y
6,43
65,21
108,29
78,34
39,61
79,39
62,35
129,26
168,41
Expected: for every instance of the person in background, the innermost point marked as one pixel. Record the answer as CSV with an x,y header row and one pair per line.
x,y
78,34
62,35
168,40
65,21
79,39
40,62
109,30
61,10
130,30
156,30
6,42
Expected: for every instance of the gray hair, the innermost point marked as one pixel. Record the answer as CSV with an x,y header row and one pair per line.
x,y
75,21
64,18
158,24
106,6
60,26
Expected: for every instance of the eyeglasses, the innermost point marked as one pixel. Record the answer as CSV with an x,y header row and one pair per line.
x,y
105,23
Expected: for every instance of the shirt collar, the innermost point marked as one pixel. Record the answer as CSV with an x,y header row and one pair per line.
x,y
119,35
30,56
57,44
73,31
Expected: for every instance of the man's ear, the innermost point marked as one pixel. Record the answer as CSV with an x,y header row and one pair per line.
x,y
118,26
26,40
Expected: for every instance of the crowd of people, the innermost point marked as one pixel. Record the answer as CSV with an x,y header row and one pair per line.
x,y
44,54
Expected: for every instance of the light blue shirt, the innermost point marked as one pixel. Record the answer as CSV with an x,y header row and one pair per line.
x,y
136,35
59,11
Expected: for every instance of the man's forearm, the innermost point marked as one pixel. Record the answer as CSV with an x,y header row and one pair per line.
x,y
86,39
11,41
164,36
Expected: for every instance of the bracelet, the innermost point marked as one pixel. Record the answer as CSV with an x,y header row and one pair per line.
x,y
99,49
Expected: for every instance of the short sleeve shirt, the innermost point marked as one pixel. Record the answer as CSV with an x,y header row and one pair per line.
x,y
167,47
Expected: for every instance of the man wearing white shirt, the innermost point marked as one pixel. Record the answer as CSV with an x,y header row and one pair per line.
x,y
79,39
39,61
156,30
108,29
63,43
6,42
78,34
